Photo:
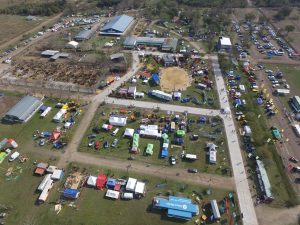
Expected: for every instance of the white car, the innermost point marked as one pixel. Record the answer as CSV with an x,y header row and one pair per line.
x,y
275,85
14,156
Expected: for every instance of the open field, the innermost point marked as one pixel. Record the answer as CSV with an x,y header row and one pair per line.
x,y
281,188
92,206
173,78
13,25
193,147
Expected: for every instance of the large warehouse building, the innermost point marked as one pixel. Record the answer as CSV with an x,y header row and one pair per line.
x,y
117,25
165,44
23,110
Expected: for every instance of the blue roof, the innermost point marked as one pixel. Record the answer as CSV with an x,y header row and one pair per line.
x,y
177,204
181,200
179,214
164,153
238,101
155,77
71,193
111,182
117,24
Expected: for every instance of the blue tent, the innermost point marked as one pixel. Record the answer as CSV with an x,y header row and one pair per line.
x,y
259,101
164,153
71,193
110,183
155,78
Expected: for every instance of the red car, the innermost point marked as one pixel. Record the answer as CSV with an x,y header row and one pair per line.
x,y
97,145
293,159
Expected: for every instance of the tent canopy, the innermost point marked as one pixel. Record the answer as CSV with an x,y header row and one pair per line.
x,y
149,149
129,132
71,193
101,180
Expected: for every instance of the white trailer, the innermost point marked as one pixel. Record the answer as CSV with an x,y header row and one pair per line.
x,y
44,182
44,195
59,116
47,110
161,95
215,209
190,156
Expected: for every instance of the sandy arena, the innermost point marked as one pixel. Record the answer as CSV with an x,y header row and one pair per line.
x,y
174,78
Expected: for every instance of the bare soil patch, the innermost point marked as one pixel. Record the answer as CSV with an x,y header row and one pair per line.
x,y
174,78
6,103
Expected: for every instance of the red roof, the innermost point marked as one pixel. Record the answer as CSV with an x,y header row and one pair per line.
x,y
117,187
101,181
40,171
55,135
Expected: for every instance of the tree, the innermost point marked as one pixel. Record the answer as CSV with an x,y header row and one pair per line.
x,y
283,12
250,16
289,28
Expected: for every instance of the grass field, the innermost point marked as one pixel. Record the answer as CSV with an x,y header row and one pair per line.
x,y
23,133
92,207
13,25
192,147
281,188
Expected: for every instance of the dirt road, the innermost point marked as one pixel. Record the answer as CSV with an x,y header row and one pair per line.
x,y
33,30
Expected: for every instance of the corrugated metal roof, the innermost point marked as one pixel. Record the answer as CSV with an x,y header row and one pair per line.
x,y
264,178
84,34
24,108
118,23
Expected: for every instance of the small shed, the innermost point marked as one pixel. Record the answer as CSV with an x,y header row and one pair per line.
x,y
111,183
57,174
155,78
112,194
101,181
72,44
128,132
131,183
92,180
41,168
71,193
140,188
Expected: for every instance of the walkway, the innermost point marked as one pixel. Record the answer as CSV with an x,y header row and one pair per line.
x,y
240,176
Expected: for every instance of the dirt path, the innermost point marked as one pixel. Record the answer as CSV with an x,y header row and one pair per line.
x,y
153,170
35,29
287,216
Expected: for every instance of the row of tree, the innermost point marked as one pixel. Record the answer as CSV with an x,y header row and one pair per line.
x,y
40,9
277,3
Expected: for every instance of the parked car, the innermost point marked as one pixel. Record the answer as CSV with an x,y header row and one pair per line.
x,y
91,143
114,143
192,170
172,160
97,145
91,136
42,142
106,144
14,156
293,159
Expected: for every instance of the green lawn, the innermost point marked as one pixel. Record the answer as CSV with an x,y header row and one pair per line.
x,y
281,188
23,133
192,147
92,207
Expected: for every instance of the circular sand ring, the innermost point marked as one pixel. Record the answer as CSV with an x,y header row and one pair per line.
x,y
174,79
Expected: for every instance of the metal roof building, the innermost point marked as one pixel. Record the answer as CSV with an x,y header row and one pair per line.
x,y
23,110
263,181
84,35
181,208
117,25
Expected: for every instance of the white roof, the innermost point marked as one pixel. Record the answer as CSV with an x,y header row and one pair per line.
x,y
130,186
73,43
57,174
92,181
283,91
247,129
190,156
150,127
118,120
213,156
215,209
112,194
129,132
297,129
150,133
140,188
51,169
225,41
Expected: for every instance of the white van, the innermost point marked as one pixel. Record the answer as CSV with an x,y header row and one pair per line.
x,y
127,196
115,131
14,156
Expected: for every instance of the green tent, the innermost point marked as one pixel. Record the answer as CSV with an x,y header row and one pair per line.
x,y
149,149
2,156
164,136
180,133
135,142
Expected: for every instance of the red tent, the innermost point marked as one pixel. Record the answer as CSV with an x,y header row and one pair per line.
x,y
54,136
101,181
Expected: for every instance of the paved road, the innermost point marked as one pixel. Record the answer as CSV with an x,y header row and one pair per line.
x,y
240,176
